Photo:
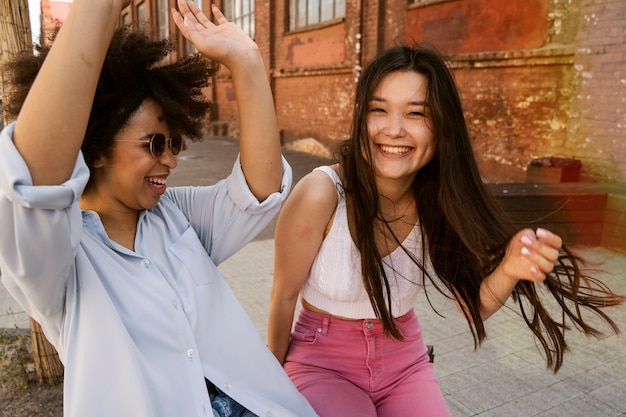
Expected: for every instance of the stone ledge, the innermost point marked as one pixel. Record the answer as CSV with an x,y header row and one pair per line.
x,y
588,214
563,55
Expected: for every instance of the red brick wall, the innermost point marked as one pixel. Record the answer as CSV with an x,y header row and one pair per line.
x,y
313,49
479,25
597,127
316,107
313,77
537,77
514,106
224,101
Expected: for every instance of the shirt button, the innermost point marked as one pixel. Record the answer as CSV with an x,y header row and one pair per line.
x,y
145,263
174,303
226,386
369,324
190,353
319,330
268,414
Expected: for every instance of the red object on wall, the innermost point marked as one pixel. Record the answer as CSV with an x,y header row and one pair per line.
x,y
552,169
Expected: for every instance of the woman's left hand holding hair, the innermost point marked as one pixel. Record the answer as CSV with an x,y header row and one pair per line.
x,y
530,255
226,43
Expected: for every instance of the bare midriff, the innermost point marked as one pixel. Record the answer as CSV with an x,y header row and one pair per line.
x,y
306,305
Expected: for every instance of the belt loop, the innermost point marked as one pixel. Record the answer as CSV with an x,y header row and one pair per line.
x,y
325,324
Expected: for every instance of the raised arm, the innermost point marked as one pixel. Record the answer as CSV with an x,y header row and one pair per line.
x,y
52,123
300,230
224,42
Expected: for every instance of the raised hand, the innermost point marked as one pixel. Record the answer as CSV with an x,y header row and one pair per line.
x,y
223,42
531,255
227,44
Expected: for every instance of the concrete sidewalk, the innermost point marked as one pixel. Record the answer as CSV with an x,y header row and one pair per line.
x,y
505,377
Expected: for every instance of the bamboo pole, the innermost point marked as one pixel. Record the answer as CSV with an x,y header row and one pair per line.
x,y
47,364
16,38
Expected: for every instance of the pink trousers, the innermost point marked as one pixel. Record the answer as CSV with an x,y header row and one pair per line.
x,y
352,368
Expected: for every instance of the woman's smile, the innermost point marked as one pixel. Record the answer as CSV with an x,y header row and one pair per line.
x,y
395,150
157,184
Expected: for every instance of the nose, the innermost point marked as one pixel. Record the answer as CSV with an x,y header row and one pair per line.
x,y
168,159
394,126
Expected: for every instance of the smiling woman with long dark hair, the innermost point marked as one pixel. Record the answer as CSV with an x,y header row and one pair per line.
x,y
405,204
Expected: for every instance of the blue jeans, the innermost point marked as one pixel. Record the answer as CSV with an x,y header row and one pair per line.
x,y
224,406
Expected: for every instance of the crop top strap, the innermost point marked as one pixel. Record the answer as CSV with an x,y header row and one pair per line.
x,y
330,172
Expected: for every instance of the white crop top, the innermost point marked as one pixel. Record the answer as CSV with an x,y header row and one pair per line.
x,y
335,281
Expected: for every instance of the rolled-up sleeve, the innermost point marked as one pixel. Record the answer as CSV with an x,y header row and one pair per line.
x,y
241,195
227,215
40,231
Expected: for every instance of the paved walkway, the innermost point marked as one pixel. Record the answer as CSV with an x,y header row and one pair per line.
x,y
505,377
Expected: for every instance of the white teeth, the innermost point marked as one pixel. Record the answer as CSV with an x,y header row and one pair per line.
x,y
157,181
396,150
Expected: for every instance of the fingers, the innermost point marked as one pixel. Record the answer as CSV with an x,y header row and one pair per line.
x,y
179,20
549,238
189,17
200,16
541,249
193,14
219,16
222,41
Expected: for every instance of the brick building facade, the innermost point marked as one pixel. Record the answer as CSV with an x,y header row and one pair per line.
x,y
537,77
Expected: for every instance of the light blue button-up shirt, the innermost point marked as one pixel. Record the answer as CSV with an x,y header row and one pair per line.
x,y
139,331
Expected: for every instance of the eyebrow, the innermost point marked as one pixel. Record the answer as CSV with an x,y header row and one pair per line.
x,y
411,103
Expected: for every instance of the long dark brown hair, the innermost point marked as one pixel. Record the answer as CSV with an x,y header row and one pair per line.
x,y
463,227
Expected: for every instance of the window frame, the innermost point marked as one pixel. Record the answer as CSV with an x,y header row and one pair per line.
x,y
244,17
142,12
162,18
300,18
188,48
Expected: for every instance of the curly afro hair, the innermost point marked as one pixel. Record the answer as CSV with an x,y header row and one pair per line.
x,y
133,71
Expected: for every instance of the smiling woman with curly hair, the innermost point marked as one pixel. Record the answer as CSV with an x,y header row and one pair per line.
x,y
118,268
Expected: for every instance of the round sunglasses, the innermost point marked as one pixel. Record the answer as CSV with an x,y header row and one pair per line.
x,y
157,143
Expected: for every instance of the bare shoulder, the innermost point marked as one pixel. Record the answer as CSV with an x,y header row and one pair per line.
x,y
313,198
316,187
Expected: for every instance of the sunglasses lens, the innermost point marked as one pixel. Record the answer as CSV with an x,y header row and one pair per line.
x,y
158,145
176,144
158,142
